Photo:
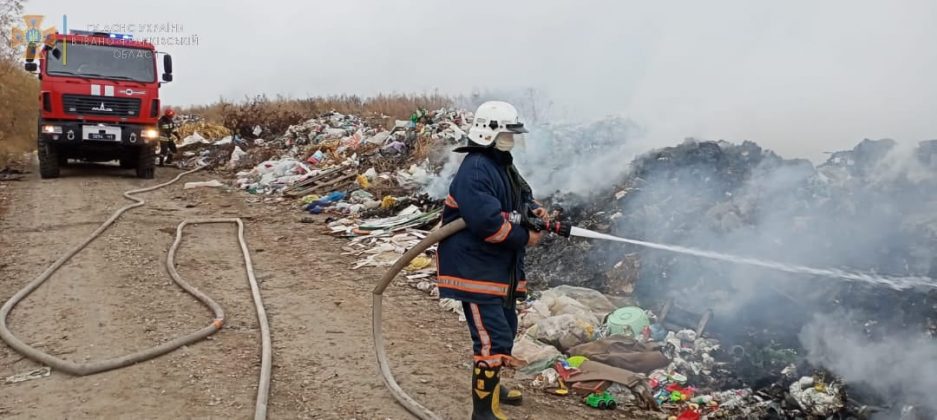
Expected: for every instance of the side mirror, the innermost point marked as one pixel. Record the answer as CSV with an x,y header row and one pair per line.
x,y
167,65
167,77
31,67
57,53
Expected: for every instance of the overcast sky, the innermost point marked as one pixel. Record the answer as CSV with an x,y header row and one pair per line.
x,y
799,77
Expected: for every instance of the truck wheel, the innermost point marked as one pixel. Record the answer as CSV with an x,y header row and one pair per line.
x,y
48,161
146,162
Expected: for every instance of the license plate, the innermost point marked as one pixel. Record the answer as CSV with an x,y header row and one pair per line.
x,y
97,132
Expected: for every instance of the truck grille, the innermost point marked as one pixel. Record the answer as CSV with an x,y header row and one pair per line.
x,y
101,105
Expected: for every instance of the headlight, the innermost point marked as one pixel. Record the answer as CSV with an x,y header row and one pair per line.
x,y
150,133
51,129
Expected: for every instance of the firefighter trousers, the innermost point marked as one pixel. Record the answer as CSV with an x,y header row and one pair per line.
x,y
493,328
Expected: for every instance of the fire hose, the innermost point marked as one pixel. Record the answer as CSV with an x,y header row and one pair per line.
x,y
447,230
83,369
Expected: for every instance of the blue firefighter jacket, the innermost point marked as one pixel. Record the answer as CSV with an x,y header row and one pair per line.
x,y
475,265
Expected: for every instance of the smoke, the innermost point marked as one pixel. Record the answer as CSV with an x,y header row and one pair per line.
x,y
900,164
901,365
560,158
853,212
583,158
870,209
438,186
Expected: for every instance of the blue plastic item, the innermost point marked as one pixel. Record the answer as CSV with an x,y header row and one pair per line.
x,y
334,196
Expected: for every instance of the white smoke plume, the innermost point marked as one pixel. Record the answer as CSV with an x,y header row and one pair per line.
x,y
582,158
901,365
438,186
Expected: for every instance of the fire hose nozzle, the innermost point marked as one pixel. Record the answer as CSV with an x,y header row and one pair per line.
x,y
560,228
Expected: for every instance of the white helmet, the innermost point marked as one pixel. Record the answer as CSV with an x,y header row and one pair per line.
x,y
493,118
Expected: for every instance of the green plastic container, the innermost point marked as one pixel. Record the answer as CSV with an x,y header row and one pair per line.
x,y
629,320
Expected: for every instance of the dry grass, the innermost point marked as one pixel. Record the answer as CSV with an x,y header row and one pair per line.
x,y
18,110
276,115
205,129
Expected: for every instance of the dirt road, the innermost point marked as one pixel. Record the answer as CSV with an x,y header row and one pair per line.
x,y
116,297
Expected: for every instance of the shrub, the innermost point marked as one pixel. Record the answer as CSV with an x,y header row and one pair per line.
x,y
19,93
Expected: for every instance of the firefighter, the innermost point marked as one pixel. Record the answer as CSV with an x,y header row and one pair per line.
x,y
483,265
167,130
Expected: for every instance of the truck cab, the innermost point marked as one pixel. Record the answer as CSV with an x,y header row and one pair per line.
x,y
98,101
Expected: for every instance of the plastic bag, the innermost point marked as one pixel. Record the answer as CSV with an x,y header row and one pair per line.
x,y
536,355
195,138
551,304
592,299
319,205
360,196
378,138
388,201
453,306
419,263
546,379
537,311
236,155
310,198
563,331
363,181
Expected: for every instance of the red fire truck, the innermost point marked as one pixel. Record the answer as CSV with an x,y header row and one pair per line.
x,y
99,101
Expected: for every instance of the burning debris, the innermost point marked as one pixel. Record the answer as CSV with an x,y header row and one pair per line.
x,y
861,209
817,398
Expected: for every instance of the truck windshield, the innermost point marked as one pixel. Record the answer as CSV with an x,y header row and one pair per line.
x,y
103,61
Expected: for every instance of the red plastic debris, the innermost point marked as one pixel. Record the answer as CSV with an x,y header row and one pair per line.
x,y
689,415
688,391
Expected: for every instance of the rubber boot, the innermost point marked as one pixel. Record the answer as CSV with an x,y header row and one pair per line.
x,y
511,396
486,393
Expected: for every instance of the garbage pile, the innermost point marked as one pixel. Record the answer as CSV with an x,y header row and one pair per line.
x,y
574,341
331,153
861,209
691,338
366,174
